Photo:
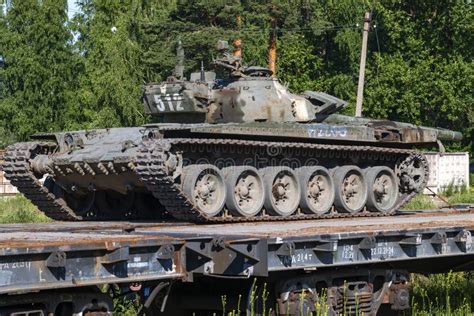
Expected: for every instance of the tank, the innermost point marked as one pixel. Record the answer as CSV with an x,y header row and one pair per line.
x,y
228,145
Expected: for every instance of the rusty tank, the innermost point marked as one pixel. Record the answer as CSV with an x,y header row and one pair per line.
x,y
237,146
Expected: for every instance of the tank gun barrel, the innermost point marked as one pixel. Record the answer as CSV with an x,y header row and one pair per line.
x,y
448,135
440,133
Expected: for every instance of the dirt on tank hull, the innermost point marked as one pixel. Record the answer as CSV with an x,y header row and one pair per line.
x,y
241,148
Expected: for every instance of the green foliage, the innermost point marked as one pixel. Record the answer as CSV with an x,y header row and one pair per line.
x,y
37,70
451,189
420,202
126,307
19,209
462,197
442,294
58,74
111,82
458,194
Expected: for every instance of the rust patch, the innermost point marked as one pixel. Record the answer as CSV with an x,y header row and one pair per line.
x,y
41,240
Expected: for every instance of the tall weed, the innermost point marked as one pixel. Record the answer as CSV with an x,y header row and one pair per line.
x,y
18,209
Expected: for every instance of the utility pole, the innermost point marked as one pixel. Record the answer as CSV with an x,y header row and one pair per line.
x,y
363,56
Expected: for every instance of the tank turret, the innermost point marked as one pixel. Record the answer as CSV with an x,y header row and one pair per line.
x,y
246,94
252,94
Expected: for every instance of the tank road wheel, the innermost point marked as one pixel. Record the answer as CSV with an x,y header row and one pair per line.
x,y
382,189
351,189
204,187
317,190
282,190
81,202
244,190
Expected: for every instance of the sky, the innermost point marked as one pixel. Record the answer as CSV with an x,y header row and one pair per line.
x,y
72,7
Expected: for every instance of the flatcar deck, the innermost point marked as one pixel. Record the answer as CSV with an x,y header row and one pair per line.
x,y
81,232
64,254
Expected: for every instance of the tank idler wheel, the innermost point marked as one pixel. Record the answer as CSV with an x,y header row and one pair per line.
x,y
382,189
351,189
204,186
282,190
245,192
317,190
82,203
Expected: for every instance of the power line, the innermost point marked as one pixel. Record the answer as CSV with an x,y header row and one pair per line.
x,y
253,29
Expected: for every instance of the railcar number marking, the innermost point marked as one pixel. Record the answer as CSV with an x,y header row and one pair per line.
x,y
173,101
327,131
301,258
348,252
383,249
15,265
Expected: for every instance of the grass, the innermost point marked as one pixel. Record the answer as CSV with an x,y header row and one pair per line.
x,y
462,197
442,294
450,294
458,194
454,195
18,209
420,202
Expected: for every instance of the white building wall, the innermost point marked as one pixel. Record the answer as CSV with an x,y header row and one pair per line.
x,y
446,169
5,187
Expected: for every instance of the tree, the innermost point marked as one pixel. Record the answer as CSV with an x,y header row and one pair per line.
x,y
38,67
424,72
111,82
419,67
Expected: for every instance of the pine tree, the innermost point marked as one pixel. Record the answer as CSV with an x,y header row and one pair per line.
x,y
419,67
112,79
37,66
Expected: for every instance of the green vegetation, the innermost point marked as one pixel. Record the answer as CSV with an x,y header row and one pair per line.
x,y
462,197
443,294
458,194
18,209
58,73
453,195
450,294
125,307
420,202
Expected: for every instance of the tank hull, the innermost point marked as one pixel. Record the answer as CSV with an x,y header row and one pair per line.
x,y
145,173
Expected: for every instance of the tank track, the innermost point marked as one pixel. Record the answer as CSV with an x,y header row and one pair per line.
x,y
152,170
17,169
